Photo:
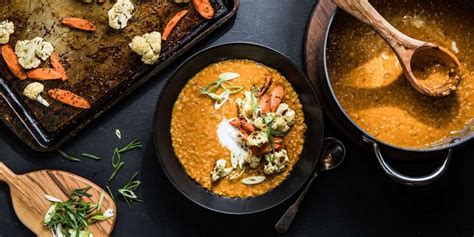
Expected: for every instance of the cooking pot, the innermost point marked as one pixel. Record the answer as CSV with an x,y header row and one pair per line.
x,y
319,28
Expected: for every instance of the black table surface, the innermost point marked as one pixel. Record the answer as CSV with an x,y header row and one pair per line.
x,y
356,199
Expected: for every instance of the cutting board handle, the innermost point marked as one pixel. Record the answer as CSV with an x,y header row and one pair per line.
x,y
6,175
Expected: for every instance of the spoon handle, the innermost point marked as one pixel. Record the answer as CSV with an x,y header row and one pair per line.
x,y
6,175
285,221
364,11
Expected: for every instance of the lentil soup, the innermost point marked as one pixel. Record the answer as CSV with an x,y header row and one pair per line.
x,y
195,123
368,80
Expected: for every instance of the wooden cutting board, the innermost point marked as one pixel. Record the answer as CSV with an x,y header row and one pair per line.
x,y
28,196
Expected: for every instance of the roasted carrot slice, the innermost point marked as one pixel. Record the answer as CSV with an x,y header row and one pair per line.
x,y
264,103
266,85
243,125
11,60
276,97
79,23
58,66
172,23
69,98
204,8
44,74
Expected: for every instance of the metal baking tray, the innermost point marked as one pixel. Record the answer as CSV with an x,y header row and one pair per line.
x,y
45,129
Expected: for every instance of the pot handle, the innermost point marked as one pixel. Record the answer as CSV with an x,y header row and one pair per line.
x,y
408,180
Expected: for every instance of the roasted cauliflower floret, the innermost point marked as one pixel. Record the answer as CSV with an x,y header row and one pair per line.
x,y
287,113
31,52
148,46
120,13
33,91
253,161
280,125
260,123
257,139
277,162
220,171
6,29
247,105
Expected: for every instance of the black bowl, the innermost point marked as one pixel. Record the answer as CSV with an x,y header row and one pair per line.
x,y
313,136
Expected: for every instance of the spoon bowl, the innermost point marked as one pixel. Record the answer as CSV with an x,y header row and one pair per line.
x,y
333,154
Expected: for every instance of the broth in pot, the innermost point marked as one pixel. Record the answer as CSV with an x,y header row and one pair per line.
x,y
368,80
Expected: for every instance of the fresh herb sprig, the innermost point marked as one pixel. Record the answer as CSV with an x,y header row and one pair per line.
x,y
128,191
117,163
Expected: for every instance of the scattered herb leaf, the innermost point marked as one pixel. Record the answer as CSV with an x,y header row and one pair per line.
x,y
128,191
67,156
90,156
116,157
111,193
118,133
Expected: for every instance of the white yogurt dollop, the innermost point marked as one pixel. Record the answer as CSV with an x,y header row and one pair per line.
x,y
229,137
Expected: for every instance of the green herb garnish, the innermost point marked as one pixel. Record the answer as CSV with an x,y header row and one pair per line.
x,y
132,145
67,156
271,139
116,163
72,217
111,193
90,156
228,89
128,191
116,157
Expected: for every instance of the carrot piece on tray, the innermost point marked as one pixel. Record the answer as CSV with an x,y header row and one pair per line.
x,y
204,8
79,23
69,98
11,60
44,74
58,66
172,23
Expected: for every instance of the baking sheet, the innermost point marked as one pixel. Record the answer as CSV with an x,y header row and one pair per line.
x,y
100,65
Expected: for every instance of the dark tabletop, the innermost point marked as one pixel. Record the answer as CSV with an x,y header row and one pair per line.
x,y
356,199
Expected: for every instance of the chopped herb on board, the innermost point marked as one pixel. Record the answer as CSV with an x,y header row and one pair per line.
x,y
73,217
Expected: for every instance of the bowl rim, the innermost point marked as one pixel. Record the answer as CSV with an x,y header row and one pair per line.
x,y
454,143
295,188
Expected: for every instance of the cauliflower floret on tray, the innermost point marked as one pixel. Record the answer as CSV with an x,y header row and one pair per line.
x,y
277,162
148,46
31,52
6,29
120,13
33,91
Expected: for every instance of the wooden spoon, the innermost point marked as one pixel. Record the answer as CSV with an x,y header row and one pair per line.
x,y
28,196
406,48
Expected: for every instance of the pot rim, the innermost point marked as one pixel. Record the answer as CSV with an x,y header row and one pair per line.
x,y
454,143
